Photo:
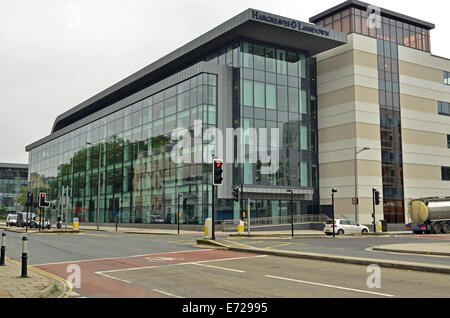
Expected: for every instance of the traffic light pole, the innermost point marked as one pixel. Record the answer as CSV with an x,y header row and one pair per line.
x,y
374,218
213,202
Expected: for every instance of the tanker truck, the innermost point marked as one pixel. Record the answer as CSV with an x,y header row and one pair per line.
x,y
429,215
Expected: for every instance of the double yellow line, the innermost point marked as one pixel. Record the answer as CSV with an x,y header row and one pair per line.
x,y
66,284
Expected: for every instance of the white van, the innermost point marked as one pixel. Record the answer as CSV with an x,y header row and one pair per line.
x,y
11,220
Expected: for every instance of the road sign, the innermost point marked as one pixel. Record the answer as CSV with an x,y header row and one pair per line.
x,y
355,201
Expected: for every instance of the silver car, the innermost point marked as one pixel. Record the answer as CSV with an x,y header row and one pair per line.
x,y
342,227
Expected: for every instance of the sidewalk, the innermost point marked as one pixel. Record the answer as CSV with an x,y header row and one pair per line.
x,y
37,285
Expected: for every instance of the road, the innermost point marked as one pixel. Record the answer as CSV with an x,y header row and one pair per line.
x,y
163,266
359,246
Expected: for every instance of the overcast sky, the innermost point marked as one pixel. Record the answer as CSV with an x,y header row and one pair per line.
x,y
55,54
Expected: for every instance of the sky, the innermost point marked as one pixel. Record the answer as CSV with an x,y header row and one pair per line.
x,y
55,54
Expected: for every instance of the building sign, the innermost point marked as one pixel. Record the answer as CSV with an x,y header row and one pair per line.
x,y
293,24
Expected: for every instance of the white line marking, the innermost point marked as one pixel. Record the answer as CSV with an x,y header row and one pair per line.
x,y
179,264
330,286
121,257
217,267
108,276
167,294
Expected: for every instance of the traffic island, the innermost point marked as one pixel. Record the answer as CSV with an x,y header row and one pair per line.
x,y
437,249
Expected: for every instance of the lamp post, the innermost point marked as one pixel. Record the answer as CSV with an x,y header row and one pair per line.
x,y
333,191
356,182
178,212
292,211
98,183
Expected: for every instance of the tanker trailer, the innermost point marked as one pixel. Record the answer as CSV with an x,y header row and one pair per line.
x,y
430,215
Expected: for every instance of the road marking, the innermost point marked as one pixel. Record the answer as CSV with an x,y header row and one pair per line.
x,y
166,293
114,258
279,245
329,286
217,267
178,264
108,276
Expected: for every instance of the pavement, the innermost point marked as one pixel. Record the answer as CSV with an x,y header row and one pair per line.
x,y
38,284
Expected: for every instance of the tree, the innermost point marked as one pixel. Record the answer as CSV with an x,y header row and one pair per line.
x,y
22,198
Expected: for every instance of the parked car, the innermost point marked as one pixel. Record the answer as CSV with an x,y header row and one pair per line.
x,y
156,219
342,227
11,220
45,224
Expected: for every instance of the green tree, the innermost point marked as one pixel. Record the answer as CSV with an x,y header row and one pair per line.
x,y
22,198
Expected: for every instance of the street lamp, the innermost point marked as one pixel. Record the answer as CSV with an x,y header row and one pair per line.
x,y
292,211
178,212
333,191
356,181
98,183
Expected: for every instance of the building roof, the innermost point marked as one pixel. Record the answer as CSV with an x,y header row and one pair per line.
x,y
251,23
14,165
384,12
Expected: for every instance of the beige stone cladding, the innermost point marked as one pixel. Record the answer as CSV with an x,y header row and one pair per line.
x,y
349,120
424,131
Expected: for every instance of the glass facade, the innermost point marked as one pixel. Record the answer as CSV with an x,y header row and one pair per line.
x,y
136,168
273,87
11,182
354,20
391,132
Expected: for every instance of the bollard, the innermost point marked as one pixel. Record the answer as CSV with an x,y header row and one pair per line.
x,y
24,257
2,259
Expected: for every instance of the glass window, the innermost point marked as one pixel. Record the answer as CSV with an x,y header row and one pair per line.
x,y
444,108
271,96
248,92
259,60
446,173
259,95
292,60
270,60
303,102
304,137
293,100
158,111
346,24
448,141
170,106
248,55
183,101
282,100
281,62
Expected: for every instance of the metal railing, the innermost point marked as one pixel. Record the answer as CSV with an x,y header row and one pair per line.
x,y
277,220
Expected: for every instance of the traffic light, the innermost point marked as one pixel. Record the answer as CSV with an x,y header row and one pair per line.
x,y
236,194
43,200
218,172
29,201
377,198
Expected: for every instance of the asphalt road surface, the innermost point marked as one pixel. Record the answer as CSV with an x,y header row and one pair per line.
x,y
104,265
355,246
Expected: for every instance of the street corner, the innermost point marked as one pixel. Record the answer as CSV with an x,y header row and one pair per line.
x,y
36,284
